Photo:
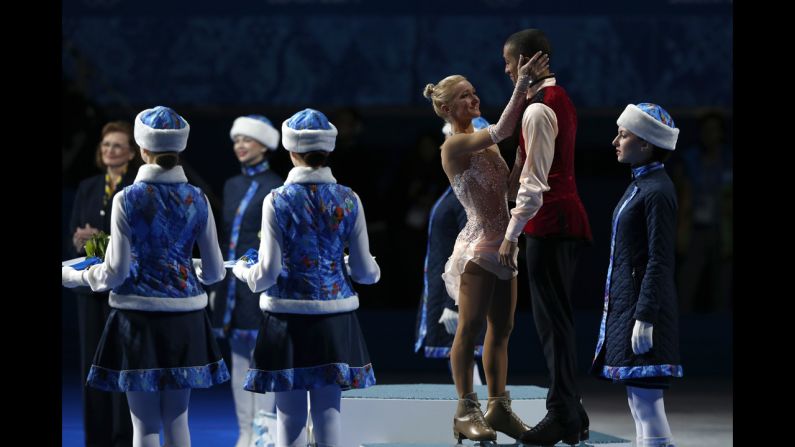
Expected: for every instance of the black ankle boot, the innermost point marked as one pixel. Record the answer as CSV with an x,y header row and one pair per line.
x,y
551,430
585,423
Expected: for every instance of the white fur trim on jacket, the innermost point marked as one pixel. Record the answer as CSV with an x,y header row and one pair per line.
x,y
308,307
157,304
305,174
158,174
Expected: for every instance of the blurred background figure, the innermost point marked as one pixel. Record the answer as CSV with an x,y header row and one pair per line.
x,y
106,417
705,219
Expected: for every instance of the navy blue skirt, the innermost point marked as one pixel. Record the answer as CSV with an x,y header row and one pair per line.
x,y
153,351
295,351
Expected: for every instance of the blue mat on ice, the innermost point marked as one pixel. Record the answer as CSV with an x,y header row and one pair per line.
x,y
596,438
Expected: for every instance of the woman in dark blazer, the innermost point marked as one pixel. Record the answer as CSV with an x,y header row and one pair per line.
x,y
638,342
106,417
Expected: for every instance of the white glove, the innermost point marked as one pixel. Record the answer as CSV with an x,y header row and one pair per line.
x,y
211,295
197,266
240,270
348,266
71,278
449,319
641,337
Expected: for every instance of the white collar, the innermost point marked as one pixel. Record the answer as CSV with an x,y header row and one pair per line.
x,y
152,173
305,174
548,82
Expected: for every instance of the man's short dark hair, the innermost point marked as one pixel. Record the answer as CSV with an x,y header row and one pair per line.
x,y
528,42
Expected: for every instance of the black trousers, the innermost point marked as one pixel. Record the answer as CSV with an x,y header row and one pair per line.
x,y
106,416
550,266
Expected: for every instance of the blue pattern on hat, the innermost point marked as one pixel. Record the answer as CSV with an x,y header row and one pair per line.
x,y
163,118
657,113
308,119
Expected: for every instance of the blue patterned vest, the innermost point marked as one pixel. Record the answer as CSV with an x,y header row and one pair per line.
x,y
316,221
165,220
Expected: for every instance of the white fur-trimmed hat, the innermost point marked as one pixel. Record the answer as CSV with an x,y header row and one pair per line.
x,y
161,129
257,127
650,122
308,130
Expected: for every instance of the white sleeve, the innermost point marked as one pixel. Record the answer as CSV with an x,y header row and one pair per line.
x,y
363,268
266,271
212,269
116,267
539,128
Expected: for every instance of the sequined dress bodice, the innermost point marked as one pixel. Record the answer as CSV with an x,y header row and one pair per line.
x,y
481,189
